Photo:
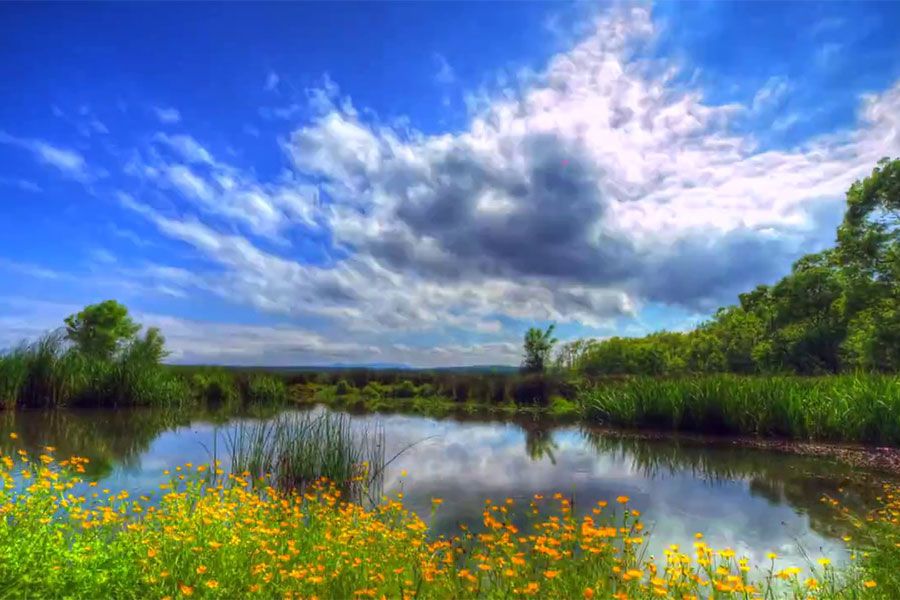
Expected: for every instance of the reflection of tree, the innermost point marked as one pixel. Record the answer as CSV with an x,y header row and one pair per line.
x,y
798,481
107,437
539,441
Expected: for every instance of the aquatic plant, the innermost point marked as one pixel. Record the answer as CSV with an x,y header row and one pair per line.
x,y
227,537
50,372
854,408
295,449
265,389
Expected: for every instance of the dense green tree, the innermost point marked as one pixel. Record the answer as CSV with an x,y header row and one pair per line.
x,y
537,347
100,330
836,310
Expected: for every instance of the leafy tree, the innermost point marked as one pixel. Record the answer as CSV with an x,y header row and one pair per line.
x,y
538,346
836,310
150,348
100,330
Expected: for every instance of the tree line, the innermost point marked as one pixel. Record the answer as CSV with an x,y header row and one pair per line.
x,y
837,310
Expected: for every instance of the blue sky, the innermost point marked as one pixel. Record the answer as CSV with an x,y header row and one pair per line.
x,y
418,183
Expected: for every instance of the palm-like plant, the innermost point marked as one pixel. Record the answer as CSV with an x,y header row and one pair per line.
x,y
537,347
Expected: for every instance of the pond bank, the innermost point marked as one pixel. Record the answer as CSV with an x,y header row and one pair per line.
x,y
878,459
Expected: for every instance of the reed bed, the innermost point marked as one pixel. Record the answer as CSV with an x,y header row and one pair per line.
x,y
295,449
50,373
845,408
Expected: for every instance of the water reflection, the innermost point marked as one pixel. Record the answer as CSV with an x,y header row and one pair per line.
x,y
750,500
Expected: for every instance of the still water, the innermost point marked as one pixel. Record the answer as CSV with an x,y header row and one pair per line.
x,y
752,501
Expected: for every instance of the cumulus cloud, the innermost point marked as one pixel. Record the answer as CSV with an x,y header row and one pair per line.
x,y
576,193
602,172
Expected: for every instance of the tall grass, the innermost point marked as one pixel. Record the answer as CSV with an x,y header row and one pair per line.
x,y
849,408
50,373
296,449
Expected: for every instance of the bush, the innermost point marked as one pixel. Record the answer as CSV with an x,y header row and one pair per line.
x,y
343,388
405,389
265,389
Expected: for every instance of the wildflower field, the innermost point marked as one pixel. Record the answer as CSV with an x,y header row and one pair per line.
x,y
211,534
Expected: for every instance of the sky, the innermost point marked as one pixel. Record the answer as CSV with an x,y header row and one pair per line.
x,y
418,183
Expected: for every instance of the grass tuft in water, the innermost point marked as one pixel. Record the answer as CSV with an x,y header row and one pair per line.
x,y
295,449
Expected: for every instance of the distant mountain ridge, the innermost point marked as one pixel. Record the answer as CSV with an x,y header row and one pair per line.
x,y
379,367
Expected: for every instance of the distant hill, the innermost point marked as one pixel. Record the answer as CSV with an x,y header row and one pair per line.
x,y
379,367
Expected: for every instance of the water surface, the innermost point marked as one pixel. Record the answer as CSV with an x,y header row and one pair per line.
x,y
750,500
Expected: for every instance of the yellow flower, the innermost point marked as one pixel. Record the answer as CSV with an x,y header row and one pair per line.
x,y
551,574
869,584
14,436
771,556
622,499
201,570
824,562
186,589
212,584
403,473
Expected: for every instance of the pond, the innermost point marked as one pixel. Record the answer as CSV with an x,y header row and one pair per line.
x,y
752,501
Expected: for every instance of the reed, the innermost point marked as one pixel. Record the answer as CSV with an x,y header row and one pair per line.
x,y
848,408
295,449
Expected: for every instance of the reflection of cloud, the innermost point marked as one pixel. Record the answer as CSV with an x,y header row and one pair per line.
x,y
466,462
469,462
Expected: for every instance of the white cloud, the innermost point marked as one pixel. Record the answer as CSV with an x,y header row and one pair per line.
x,y
167,115
22,184
771,94
69,162
272,80
577,193
445,74
187,148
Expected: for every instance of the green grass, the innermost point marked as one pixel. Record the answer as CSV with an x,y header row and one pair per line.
x,y
49,373
845,408
295,449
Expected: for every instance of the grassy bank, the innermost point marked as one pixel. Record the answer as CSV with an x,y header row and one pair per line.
x,y
51,373
217,535
842,408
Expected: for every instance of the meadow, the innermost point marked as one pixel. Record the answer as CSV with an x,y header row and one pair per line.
x,y
215,534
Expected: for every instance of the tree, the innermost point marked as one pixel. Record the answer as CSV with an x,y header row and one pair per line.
x,y
100,330
837,309
151,348
538,345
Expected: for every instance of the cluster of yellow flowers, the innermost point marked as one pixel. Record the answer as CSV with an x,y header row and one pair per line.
x,y
213,534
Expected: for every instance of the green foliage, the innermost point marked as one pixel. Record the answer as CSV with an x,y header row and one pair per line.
x,y
850,408
265,389
100,330
537,347
50,373
405,389
294,450
215,386
343,388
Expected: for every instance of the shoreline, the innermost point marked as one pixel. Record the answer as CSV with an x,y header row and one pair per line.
x,y
881,460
